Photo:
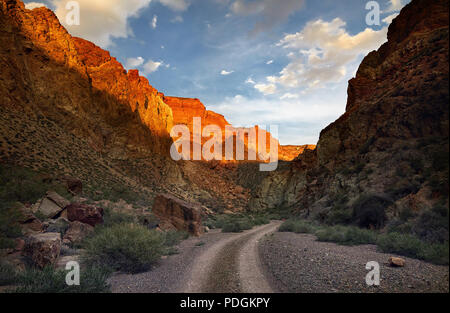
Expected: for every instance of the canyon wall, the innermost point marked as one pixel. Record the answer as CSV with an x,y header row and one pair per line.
x,y
392,141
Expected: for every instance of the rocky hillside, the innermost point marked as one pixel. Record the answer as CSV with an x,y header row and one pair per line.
x,y
69,107
387,156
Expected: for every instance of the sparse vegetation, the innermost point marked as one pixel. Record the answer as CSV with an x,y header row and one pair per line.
x,y
411,246
8,274
9,226
50,280
237,222
125,247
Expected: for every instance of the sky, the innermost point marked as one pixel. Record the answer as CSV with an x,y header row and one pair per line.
x,y
257,62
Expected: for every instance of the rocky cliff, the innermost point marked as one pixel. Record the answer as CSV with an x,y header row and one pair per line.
x,y
390,148
69,107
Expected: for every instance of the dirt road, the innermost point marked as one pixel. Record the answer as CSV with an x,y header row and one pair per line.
x,y
215,262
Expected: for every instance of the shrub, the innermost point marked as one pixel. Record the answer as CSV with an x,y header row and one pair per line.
x,y
49,280
8,274
174,237
346,235
296,226
369,210
112,217
20,184
411,246
237,226
125,247
432,225
9,226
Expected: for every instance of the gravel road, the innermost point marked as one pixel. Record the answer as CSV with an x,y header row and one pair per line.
x,y
298,263
213,262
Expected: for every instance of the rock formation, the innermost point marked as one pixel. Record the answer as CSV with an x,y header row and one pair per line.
x,y
392,141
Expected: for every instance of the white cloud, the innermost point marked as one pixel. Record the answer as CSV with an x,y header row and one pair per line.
x,y
266,89
133,63
250,81
388,19
269,62
101,20
154,22
271,12
151,66
395,5
34,5
289,96
325,52
176,5
224,72
177,19
299,121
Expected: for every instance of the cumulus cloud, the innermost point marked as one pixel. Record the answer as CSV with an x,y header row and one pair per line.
x,y
151,66
134,62
250,81
300,120
154,21
395,5
270,12
224,72
34,5
266,89
177,5
289,95
101,20
323,54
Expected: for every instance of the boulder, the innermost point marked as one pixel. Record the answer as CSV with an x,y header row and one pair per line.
x,y
43,249
60,225
77,231
178,214
29,223
396,262
52,205
84,213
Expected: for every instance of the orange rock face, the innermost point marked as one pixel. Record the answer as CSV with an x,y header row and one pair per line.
x,y
185,109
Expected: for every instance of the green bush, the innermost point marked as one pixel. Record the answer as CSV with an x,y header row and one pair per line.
x,y
369,211
236,223
9,226
125,247
296,226
411,246
112,217
174,237
346,235
49,280
432,225
20,184
8,274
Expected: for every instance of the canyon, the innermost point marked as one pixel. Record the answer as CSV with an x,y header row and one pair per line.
x,y
69,107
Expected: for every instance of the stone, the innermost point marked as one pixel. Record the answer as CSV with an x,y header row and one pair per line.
x,y
178,214
52,205
84,213
48,208
396,262
43,249
76,232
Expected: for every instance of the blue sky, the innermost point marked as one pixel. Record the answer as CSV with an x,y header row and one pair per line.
x,y
281,62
